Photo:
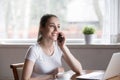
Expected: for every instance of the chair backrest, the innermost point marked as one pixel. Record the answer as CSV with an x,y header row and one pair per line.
x,y
17,70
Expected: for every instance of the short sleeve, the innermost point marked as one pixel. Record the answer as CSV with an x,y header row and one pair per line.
x,y
31,54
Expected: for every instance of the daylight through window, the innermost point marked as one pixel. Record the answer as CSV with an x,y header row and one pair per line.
x,y
19,19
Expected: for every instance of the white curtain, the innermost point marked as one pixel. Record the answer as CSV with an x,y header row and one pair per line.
x,y
111,25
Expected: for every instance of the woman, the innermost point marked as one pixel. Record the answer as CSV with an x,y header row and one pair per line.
x,y
43,60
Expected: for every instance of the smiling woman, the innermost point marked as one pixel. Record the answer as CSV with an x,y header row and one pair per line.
x,y
43,60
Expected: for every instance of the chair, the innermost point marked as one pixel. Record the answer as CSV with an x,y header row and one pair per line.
x,y
17,70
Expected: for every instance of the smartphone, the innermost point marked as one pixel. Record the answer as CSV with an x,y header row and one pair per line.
x,y
60,38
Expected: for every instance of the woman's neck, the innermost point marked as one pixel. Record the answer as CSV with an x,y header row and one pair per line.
x,y
46,43
47,46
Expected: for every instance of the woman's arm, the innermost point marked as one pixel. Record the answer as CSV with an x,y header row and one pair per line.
x,y
71,60
68,57
27,71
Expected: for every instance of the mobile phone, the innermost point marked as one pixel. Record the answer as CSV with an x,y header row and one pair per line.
x,y
60,38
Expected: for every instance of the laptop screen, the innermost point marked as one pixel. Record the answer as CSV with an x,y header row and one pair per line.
x,y
113,68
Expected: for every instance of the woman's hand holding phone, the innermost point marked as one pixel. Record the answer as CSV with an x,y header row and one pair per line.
x,y
61,39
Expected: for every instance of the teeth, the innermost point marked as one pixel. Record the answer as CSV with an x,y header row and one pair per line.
x,y
54,34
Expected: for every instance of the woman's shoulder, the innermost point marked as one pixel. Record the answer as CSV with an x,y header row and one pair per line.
x,y
32,53
34,48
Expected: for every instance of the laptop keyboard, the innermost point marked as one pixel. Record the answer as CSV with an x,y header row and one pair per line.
x,y
100,76
93,75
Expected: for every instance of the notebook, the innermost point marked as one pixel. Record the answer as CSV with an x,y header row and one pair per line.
x,y
112,70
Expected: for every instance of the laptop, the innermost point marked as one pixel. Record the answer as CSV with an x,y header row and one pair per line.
x,y
112,70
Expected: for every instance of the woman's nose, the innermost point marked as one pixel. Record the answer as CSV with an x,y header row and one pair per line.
x,y
55,29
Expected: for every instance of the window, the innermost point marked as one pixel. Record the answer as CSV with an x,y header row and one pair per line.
x,y
19,19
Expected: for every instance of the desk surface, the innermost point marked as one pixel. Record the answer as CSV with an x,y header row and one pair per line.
x,y
115,78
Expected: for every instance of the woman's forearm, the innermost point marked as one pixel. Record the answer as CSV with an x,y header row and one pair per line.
x,y
42,77
71,60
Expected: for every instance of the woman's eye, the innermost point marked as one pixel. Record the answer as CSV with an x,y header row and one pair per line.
x,y
52,26
58,26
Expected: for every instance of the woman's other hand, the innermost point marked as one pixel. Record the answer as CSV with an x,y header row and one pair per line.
x,y
57,70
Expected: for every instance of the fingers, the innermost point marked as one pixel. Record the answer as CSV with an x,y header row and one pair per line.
x,y
60,69
62,34
61,39
57,71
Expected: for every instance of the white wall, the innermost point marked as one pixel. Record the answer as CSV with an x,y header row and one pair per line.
x,y
91,56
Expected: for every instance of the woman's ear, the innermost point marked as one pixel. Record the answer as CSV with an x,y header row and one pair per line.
x,y
41,30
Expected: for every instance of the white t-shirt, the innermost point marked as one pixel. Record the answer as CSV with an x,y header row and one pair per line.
x,y
44,64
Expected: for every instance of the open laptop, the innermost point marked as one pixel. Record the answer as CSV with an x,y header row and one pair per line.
x,y
112,70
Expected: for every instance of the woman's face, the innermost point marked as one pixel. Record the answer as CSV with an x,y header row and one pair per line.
x,y
51,29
